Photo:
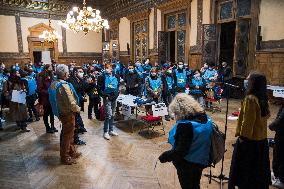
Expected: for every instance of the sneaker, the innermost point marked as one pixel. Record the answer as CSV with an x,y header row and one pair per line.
x,y
106,136
37,118
113,133
278,184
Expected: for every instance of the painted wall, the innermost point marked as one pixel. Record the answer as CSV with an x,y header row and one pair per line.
x,y
27,22
124,33
193,32
151,29
206,12
8,34
269,11
79,42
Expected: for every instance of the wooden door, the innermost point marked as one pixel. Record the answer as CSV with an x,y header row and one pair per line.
x,y
209,43
162,46
241,48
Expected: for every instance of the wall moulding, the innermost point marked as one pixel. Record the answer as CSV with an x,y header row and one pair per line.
x,y
272,44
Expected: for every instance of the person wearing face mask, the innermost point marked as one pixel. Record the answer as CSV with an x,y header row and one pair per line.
x,y
168,86
80,86
31,87
250,165
189,71
197,87
210,75
44,80
133,81
108,84
154,86
65,104
180,78
17,111
225,75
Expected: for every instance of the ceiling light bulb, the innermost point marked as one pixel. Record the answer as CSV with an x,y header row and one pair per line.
x,y
98,12
75,9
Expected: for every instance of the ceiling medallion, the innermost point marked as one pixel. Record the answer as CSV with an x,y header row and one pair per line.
x,y
86,19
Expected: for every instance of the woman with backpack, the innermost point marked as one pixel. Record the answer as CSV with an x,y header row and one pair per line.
x,y
250,167
190,138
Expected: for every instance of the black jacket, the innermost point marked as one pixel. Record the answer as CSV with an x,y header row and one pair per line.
x,y
79,85
132,79
183,140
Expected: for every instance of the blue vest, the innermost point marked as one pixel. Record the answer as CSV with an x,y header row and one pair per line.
x,y
140,71
201,142
31,85
155,84
52,95
181,78
111,84
170,82
209,73
196,82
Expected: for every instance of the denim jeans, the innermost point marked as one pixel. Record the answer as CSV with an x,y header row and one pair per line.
x,y
110,106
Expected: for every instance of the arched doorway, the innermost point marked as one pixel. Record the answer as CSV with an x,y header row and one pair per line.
x,y
39,50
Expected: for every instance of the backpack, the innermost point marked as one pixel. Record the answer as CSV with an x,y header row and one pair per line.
x,y
102,113
217,148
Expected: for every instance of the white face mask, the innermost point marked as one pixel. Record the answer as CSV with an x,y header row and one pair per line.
x,y
180,66
197,75
153,74
81,75
170,71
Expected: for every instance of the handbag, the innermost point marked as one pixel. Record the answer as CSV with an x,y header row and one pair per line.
x,y
39,109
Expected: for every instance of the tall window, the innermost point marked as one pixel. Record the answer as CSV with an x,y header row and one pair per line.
x,y
140,42
176,24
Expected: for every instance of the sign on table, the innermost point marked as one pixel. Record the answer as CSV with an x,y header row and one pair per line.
x,y
160,109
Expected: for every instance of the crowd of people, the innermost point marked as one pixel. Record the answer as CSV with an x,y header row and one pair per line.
x,y
62,91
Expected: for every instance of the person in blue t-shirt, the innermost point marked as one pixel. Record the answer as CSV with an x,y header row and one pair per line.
x,y
154,86
211,74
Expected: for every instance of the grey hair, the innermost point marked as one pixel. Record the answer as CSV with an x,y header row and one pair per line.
x,y
184,105
62,70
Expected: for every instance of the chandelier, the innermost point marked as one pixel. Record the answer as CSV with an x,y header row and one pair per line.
x,y
50,35
86,19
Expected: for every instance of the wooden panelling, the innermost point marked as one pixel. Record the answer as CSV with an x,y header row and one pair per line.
x,y
272,65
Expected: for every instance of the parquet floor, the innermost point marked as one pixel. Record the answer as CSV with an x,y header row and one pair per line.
x,y
31,160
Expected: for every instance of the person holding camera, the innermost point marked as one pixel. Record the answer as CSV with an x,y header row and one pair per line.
x,y
108,84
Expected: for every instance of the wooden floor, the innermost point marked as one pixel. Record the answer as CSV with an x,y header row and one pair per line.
x,y
31,160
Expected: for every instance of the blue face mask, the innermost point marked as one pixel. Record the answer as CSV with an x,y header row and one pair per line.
x,y
246,84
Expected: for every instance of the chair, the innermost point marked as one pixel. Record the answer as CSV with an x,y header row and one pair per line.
x,y
151,122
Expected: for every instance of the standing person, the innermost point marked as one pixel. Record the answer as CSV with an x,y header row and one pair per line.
x,y
154,86
64,102
197,87
133,81
31,87
17,111
168,87
140,71
250,167
211,74
225,75
108,84
93,93
190,138
278,150
44,80
180,77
